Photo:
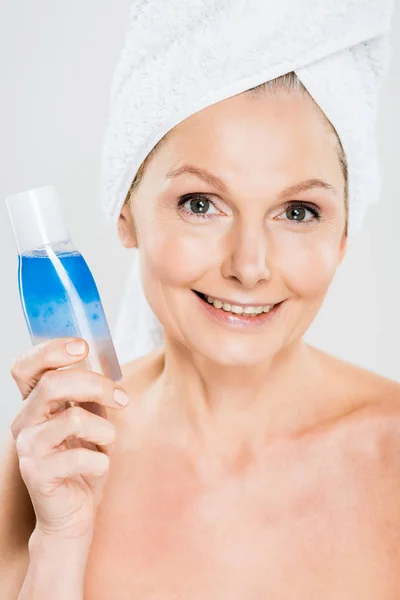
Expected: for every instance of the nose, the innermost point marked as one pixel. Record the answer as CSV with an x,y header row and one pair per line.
x,y
249,256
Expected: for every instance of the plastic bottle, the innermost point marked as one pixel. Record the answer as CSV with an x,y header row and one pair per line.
x,y
58,294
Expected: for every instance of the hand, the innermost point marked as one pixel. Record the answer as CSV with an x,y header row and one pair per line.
x,y
63,450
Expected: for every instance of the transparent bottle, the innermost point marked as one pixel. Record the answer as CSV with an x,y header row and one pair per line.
x,y
58,294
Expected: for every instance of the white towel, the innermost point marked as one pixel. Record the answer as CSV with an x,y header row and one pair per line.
x,y
181,56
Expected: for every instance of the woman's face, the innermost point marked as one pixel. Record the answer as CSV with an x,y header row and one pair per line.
x,y
251,240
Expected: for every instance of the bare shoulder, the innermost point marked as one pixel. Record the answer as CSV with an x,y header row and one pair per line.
x,y
366,417
358,450
358,387
371,458
138,379
370,421
367,461
138,374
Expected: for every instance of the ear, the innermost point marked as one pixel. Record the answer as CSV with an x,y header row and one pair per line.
x,y
126,228
343,246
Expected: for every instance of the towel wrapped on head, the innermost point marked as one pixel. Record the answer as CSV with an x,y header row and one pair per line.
x,y
180,57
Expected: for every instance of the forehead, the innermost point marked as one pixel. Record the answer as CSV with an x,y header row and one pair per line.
x,y
279,135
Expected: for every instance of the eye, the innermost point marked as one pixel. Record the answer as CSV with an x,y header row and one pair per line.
x,y
297,212
198,205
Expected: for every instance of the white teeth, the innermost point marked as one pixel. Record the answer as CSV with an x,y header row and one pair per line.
x,y
236,309
251,311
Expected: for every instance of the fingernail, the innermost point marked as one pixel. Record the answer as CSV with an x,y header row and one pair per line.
x,y
75,348
121,397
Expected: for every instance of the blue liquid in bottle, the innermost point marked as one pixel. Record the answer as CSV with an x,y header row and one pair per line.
x,y
60,299
58,294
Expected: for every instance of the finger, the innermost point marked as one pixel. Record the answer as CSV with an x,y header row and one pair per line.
x,y
55,388
75,443
28,367
47,472
95,409
40,440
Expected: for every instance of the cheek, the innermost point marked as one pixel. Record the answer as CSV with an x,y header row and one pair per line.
x,y
308,269
178,255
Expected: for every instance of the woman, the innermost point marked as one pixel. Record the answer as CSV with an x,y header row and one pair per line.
x,y
246,463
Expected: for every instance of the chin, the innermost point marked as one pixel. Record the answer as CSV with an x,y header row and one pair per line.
x,y
231,354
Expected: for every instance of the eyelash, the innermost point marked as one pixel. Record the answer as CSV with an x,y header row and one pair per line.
x,y
292,204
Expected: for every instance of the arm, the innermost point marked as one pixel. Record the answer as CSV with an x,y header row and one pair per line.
x,y
56,568
32,566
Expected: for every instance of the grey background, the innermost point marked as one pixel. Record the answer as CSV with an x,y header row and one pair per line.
x,y
56,66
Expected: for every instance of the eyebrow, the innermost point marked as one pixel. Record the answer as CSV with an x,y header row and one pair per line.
x,y
211,179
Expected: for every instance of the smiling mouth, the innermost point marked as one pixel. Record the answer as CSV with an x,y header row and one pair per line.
x,y
245,311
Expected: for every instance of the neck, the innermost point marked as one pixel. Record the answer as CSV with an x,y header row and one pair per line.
x,y
232,405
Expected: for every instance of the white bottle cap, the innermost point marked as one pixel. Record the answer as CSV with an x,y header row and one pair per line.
x,y
36,218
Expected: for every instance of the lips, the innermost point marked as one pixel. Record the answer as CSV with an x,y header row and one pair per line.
x,y
241,304
238,321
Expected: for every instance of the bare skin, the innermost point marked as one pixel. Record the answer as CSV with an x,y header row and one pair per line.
x,y
312,514
248,464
